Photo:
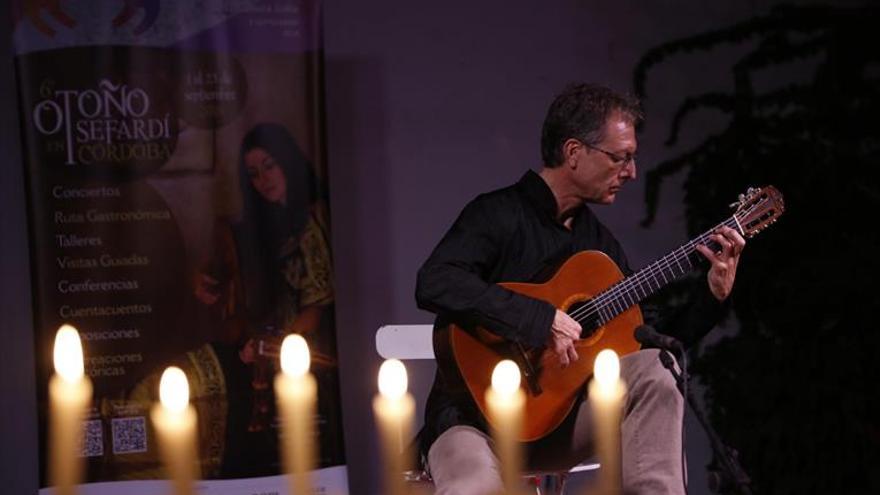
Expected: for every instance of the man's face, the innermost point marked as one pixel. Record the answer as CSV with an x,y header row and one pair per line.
x,y
602,169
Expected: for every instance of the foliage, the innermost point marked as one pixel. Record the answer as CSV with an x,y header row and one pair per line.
x,y
795,390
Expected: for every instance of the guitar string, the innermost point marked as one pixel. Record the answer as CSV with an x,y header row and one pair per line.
x,y
626,293
658,266
661,266
612,295
682,253
601,301
620,297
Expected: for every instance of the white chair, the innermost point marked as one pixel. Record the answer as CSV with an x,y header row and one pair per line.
x,y
412,342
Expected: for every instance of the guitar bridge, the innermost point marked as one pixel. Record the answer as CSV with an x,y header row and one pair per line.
x,y
525,365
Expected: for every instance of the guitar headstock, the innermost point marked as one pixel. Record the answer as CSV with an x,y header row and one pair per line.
x,y
758,208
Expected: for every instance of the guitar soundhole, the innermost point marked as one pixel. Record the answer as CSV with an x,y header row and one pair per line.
x,y
587,316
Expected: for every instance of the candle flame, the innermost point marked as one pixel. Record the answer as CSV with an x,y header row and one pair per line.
x,y
506,378
295,357
606,368
392,379
68,354
174,389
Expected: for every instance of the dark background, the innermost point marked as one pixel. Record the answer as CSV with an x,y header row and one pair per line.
x,y
429,104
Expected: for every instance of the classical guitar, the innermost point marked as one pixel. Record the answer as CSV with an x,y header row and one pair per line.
x,y
591,288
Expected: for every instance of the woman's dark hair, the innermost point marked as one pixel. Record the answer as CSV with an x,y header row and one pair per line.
x,y
265,227
275,140
580,112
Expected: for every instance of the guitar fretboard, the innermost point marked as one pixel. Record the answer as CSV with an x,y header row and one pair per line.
x,y
645,282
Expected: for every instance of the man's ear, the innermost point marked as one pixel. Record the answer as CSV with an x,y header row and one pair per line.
x,y
570,148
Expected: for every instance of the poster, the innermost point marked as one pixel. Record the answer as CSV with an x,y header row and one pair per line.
x,y
174,156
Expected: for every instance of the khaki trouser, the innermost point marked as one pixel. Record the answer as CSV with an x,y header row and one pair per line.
x,y
462,462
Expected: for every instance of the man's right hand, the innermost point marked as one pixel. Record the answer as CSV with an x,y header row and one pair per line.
x,y
563,333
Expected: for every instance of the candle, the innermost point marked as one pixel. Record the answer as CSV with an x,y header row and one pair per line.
x,y
69,394
174,420
606,393
296,393
505,402
394,409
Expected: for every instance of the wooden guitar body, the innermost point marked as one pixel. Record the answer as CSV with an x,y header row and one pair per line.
x,y
477,352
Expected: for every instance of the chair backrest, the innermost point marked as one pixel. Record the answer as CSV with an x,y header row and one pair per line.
x,y
405,342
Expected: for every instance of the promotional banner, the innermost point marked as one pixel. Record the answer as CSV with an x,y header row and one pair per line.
x,y
178,216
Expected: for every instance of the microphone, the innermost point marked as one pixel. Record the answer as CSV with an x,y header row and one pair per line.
x,y
646,335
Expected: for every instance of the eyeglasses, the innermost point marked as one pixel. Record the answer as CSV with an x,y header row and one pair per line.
x,y
617,159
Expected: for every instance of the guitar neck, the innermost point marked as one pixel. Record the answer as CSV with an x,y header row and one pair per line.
x,y
645,282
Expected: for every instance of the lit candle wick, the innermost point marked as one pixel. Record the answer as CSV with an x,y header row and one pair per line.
x,y
174,390
295,356
68,354
393,381
506,378
606,369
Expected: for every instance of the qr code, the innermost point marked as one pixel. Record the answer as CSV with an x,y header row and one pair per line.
x,y
92,439
129,435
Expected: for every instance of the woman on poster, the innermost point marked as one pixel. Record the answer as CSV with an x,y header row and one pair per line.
x,y
279,281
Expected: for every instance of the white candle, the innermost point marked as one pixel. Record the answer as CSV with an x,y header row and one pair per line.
x,y
606,393
296,393
69,395
394,410
505,401
174,420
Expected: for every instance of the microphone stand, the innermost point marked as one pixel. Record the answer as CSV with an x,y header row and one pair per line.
x,y
731,474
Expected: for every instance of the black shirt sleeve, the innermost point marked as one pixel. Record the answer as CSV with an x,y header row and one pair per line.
x,y
456,280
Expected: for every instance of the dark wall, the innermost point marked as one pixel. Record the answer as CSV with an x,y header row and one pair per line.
x,y
18,428
429,103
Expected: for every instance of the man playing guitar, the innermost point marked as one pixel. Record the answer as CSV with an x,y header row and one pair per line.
x,y
520,234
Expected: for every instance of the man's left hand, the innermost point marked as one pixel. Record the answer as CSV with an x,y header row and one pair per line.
x,y
723,261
